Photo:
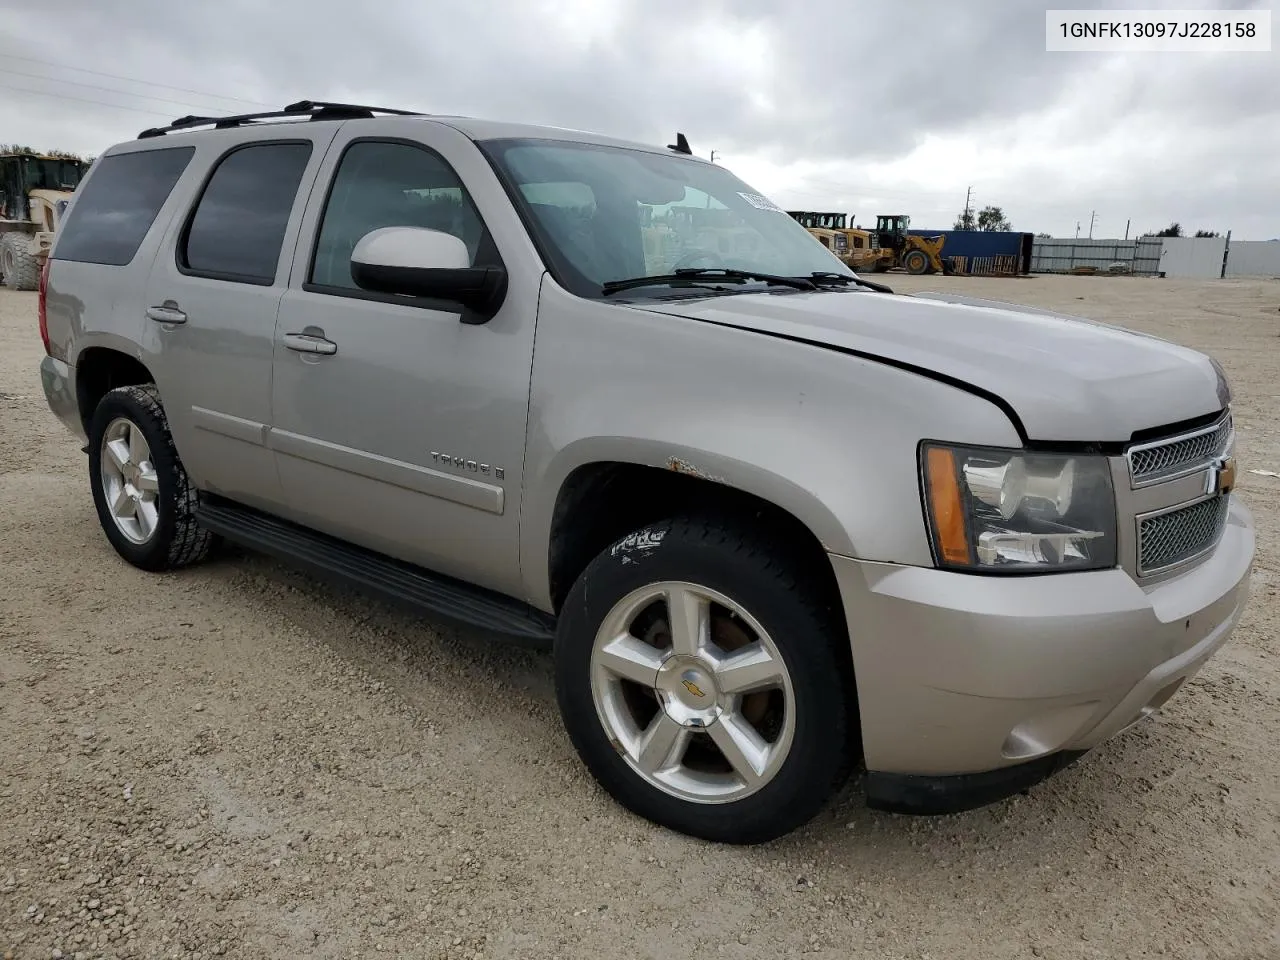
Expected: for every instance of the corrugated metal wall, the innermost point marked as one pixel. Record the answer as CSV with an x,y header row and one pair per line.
x,y
1192,257
1141,256
1253,258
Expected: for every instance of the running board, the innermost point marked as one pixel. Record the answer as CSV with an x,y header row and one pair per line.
x,y
391,580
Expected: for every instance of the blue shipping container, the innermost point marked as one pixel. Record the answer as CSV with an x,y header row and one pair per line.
x,y
974,244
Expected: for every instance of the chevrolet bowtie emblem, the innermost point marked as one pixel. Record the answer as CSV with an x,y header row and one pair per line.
x,y
1222,476
693,688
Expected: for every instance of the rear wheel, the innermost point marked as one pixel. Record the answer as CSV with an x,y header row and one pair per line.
x,y
145,501
20,270
916,262
705,685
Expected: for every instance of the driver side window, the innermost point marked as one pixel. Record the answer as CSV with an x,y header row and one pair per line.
x,y
385,184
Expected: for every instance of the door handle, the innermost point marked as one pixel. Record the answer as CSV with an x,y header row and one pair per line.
x,y
166,313
307,343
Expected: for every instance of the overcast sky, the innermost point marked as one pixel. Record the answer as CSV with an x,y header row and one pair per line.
x,y
845,105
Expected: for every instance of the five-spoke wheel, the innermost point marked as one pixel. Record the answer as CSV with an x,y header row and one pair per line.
x,y
705,681
694,691
129,481
145,501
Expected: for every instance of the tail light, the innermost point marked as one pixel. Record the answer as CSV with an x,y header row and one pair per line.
x,y
44,296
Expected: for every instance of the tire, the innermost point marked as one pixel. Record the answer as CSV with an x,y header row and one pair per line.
x,y
152,478
916,262
20,269
604,715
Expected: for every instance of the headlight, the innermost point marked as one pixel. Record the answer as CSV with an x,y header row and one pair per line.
x,y
1009,511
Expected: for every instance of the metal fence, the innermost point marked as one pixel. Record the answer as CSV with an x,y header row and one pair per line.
x,y
1140,256
1253,258
995,266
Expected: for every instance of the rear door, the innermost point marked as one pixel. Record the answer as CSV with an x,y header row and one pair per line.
x,y
212,298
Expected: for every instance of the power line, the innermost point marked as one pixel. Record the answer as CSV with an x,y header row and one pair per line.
x,y
93,86
99,103
149,83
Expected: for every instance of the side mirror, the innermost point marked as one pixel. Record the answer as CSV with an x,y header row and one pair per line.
x,y
416,262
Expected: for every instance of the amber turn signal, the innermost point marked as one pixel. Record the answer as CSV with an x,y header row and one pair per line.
x,y
945,505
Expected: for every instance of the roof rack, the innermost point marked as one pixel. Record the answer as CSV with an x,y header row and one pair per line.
x,y
314,109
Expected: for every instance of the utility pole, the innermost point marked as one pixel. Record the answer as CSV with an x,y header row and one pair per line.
x,y
1077,229
713,156
966,218
1126,228
1093,215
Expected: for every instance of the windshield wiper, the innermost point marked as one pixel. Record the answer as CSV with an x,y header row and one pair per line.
x,y
692,276
823,277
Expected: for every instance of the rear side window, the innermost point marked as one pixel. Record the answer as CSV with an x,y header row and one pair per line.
x,y
239,223
117,206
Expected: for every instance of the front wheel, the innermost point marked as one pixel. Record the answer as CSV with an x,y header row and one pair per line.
x,y
705,684
916,262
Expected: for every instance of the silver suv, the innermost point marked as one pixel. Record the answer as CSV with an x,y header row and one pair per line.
x,y
774,520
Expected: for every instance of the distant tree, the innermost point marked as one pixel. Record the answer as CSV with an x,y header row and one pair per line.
x,y
993,219
965,221
1044,236
1208,233
1172,230
6,148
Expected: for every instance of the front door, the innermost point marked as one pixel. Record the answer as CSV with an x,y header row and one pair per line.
x,y
395,425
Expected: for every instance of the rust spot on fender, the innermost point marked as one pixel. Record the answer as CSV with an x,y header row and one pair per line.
x,y
678,465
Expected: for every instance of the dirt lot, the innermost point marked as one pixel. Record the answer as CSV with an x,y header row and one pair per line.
x,y
236,761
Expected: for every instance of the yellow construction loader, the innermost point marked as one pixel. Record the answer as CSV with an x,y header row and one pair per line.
x,y
34,192
854,246
898,248
887,247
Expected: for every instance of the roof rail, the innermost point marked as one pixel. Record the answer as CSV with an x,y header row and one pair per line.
x,y
314,109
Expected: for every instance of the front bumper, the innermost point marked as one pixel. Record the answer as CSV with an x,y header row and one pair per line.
x,y
999,681
59,381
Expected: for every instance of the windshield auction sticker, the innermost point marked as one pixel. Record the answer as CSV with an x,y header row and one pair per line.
x,y
761,203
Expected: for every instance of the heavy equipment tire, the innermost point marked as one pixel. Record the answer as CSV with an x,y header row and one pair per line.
x,y
21,271
145,500
916,262
734,747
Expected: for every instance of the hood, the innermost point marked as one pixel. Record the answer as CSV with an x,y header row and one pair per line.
x,y
1067,379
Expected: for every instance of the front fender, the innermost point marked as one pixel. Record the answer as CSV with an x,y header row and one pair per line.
x,y
828,437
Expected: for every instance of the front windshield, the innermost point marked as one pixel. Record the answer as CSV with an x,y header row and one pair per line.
x,y
603,213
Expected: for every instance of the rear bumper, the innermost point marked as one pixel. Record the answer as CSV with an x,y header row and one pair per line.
x,y
59,381
1002,677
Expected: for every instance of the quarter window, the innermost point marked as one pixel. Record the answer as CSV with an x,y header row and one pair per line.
x,y
380,184
238,227
118,204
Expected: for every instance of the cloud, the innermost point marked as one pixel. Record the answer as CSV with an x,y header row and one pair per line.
x,y
868,108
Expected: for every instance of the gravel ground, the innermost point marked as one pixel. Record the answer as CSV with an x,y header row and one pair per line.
x,y
236,761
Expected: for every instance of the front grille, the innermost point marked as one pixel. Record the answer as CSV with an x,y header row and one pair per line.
x,y
1156,460
1171,538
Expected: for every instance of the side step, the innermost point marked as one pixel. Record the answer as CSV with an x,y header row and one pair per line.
x,y
401,583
